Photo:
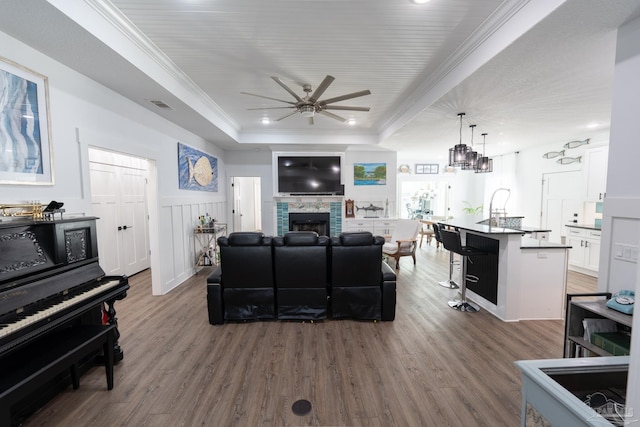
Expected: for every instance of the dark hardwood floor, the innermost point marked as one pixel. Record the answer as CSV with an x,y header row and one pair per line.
x,y
432,366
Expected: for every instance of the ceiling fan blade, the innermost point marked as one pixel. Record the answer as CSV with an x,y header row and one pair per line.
x,y
288,115
268,97
287,88
345,97
269,108
341,107
333,116
310,121
320,89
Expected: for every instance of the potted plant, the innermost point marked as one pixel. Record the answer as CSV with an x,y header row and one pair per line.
x,y
470,210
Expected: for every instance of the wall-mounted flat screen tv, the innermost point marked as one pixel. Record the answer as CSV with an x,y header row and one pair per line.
x,y
309,175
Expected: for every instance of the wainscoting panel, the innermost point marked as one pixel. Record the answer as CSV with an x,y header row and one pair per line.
x,y
178,220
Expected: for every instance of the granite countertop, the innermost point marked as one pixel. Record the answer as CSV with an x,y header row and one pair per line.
x,y
487,229
528,243
470,225
534,229
587,226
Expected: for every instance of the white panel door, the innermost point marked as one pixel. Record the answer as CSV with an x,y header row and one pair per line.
x,y
135,239
246,204
105,202
561,199
119,198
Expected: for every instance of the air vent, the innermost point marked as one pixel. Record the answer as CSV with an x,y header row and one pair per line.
x,y
160,104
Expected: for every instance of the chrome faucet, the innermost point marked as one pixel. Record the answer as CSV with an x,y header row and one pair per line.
x,y
497,213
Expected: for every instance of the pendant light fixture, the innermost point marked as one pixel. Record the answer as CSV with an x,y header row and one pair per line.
x,y
472,156
484,163
458,154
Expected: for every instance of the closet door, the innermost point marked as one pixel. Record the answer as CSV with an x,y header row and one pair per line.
x,y
118,196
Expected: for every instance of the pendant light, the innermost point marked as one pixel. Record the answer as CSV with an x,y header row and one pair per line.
x,y
472,156
484,163
458,154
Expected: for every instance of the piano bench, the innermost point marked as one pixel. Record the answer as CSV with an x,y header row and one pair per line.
x,y
27,369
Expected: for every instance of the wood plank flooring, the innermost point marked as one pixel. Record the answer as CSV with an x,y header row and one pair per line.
x,y
432,366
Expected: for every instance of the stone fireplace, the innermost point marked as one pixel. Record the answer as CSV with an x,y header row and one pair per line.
x,y
310,215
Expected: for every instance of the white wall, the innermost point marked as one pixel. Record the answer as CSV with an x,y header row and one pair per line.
x,y
259,164
530,166
253,164
521,172
621,210
466,187
85,113
372,193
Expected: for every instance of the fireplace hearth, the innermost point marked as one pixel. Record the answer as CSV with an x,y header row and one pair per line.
x,y
310,221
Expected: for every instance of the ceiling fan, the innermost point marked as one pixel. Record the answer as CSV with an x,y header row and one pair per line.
x,y
311,104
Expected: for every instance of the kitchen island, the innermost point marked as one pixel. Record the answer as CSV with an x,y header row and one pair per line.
x,y
519,278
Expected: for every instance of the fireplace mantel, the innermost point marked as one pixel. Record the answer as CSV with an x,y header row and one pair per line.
x,y
306,199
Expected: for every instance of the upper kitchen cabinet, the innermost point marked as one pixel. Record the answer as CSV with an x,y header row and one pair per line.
x,y
595,172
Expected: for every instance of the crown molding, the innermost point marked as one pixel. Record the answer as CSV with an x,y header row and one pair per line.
x,y
118,21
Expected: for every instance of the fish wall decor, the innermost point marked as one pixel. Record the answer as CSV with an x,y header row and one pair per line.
x,y
569,160
552,154
197,170
576,144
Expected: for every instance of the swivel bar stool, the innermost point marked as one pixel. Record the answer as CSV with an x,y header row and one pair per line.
x,y
451,284
452,242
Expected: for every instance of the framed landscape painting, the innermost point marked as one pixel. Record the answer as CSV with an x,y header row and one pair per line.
x,y
25,134
369,174
196,170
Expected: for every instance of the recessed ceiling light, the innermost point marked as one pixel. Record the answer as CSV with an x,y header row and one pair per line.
x,y
419,1
351,122
265,121
593,125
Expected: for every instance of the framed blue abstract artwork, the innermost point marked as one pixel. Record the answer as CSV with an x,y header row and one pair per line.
x,y
25,133
196,170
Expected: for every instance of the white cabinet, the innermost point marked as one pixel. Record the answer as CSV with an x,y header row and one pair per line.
x,y
377,227
595,172
384,227
359,225
584,255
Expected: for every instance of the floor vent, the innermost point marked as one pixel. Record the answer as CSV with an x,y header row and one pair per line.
x,y
301,407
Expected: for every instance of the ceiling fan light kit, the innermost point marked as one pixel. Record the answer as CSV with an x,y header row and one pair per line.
x,y
312,104
307,111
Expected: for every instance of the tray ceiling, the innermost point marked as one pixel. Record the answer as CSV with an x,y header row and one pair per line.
x,y
524,73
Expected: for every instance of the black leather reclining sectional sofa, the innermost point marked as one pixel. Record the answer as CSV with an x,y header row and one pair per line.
x,y
301,276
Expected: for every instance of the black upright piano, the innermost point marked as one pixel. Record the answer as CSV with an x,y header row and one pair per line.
x,y
51,286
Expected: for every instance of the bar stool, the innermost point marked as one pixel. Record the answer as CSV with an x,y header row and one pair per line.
x,y
452,242
451,284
